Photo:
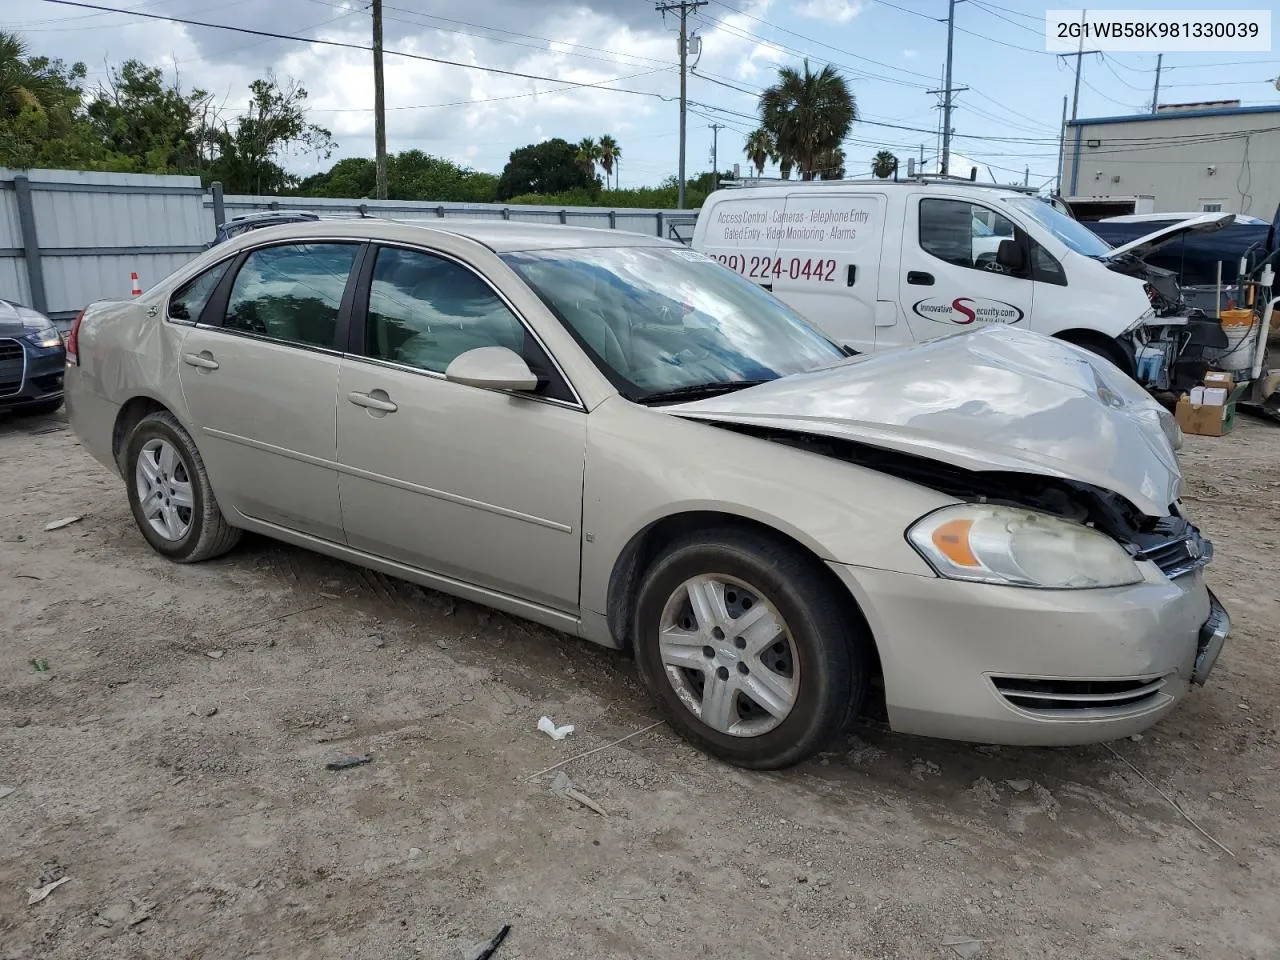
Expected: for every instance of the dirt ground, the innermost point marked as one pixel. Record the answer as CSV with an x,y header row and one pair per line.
x,y
171,761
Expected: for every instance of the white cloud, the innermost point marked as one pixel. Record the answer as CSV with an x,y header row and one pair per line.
x,y
910,54
838,11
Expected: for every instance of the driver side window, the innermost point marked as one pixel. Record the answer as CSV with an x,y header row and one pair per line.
x,y
963,234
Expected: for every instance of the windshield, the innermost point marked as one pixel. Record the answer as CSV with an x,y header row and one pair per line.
x,y
1071,232
659,320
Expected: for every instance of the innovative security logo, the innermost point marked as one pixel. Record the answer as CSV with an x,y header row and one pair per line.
x,y
967,310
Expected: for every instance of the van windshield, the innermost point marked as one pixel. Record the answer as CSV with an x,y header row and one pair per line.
x,y
666,324
1071,232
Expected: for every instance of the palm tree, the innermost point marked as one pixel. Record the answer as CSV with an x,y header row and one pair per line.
x,y
588,154
883,165
25,84
610,153
760,149
831,164
808,114
785,164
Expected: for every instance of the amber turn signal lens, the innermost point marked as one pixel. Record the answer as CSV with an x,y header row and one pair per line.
x,y
952,540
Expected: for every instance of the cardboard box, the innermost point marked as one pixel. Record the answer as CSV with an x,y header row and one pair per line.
x,y
1220,378
1205,419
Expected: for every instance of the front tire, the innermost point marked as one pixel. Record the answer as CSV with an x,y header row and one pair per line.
x,y
744,644
169,492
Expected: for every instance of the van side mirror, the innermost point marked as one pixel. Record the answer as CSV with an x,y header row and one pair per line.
x,y
1012,256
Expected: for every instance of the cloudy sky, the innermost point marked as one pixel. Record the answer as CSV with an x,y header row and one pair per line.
x,y
891,51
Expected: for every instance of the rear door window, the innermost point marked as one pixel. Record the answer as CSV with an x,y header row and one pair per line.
x,y
292,292
189,300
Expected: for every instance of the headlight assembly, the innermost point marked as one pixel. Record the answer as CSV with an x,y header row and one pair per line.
x,y
1022,548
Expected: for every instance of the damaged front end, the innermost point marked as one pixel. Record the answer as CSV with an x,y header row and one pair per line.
x,y
1172,542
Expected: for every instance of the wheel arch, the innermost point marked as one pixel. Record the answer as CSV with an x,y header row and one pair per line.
x,y
129,416
644,546
1115,350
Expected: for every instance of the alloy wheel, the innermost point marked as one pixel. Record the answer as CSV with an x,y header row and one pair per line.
x,y
164,489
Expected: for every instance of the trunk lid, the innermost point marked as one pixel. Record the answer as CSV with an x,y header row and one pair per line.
x,y
1150,242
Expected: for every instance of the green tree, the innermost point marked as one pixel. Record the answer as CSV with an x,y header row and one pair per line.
x,y
809,114
883,164
610,154
547,167
137,114
831,164
587,155
37,84
760,149
250,150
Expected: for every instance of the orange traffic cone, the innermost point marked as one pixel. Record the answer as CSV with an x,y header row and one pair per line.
x,y
137,287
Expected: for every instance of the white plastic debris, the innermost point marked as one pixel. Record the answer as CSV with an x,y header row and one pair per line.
x,y
36,894
59,524
547,726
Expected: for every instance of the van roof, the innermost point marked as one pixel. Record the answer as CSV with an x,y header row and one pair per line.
x,y
943,186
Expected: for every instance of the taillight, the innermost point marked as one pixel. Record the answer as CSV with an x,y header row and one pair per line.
x,y
73,340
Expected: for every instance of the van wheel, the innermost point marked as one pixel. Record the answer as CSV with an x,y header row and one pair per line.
x,y
170,494
1105,347
740,640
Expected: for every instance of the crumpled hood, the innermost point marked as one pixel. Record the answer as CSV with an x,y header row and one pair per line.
x,y
995,399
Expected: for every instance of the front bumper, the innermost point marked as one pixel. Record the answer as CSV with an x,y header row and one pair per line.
x,y
994,664
35,377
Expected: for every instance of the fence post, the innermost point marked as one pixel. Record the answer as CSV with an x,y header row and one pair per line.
x,y
440,211
660,219
564,215
506,213
613,219
219,207
30,244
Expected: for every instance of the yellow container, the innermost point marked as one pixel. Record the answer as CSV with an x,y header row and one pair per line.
x,y
1237,318
1238,325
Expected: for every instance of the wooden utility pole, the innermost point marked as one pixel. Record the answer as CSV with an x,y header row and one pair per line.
x,y
379,107
715,166
683,7
944,165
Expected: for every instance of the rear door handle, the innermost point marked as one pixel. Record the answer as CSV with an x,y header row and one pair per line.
x,y
203,360
383,404
920,278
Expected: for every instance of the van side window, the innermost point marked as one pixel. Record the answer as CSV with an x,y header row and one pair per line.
x,y
963,234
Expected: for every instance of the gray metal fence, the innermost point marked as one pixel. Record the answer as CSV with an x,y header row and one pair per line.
x,y
670,224
68,237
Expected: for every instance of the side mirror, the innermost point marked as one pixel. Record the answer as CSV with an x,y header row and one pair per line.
x,y
496,368
1011,255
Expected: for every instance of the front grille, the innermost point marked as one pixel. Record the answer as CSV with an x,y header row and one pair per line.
x,y
13,367
1081,699
1176,548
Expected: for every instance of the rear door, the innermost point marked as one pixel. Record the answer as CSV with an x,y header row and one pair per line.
x,y
950,278
742,234
827,264
260,378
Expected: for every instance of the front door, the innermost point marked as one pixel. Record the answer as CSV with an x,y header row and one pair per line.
x,y
260,379
482,486
827,266
950,278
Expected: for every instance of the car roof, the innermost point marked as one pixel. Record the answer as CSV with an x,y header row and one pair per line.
x,y
501,236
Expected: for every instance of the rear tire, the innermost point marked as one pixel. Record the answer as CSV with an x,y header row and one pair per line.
x,y
170,494
797,653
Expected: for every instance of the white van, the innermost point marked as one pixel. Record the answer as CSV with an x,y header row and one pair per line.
x,y
881,264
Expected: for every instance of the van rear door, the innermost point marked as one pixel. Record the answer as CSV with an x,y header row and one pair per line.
x,y
951,277
827,264
739,232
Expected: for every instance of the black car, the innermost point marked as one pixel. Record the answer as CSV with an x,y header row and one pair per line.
x,y
254,221
32,359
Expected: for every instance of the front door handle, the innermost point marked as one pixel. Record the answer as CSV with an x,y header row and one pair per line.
x,y
203,360
919,278
372,401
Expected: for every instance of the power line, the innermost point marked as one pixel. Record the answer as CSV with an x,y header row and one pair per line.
x,y
986,8
344,45
844,53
